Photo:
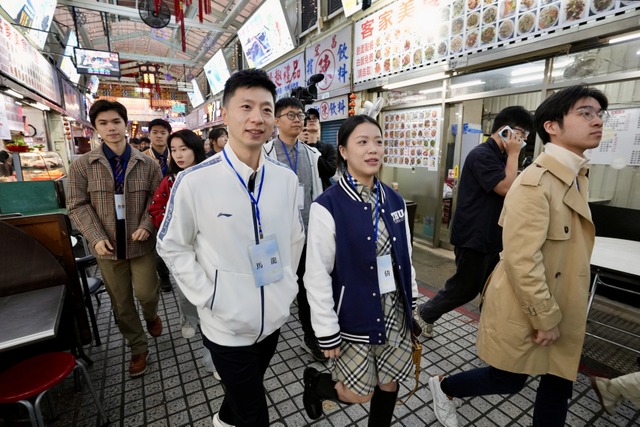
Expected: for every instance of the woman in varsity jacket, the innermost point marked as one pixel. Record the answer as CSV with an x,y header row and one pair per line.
x,y
360,281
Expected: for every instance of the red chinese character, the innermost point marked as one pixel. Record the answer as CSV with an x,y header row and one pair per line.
x,y
385,20
406,10
324,109
367,29
334,42
324,64
295,74
317,50
278,80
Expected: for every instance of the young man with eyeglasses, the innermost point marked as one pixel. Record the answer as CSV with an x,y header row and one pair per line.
x,y
534,311
303,160
489,170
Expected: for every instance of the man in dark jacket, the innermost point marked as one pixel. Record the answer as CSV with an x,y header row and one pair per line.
x,y
311,136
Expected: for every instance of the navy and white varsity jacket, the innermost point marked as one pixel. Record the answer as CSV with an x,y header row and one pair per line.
x,y
341,272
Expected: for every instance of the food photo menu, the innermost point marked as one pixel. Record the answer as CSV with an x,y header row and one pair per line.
x,y
412,137
411,34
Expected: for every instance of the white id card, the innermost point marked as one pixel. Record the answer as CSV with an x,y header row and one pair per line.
x,y
386,281
301,196
265,261
120,206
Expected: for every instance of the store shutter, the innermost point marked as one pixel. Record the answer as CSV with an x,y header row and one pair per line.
x,y
330,131
333,6
309,13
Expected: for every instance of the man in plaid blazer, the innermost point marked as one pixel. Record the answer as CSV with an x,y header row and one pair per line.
x,y
108,195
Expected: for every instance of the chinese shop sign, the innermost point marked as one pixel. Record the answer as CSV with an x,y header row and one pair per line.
x,y
288,75
332,109
332,57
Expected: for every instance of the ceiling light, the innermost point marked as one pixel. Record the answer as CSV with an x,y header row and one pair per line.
x,y
40,106
467,84
13,93
638,52
417,80
624,38
527,70
526,79
433,90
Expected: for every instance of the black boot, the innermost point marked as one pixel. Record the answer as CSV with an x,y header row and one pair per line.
x,y
317,387
383,403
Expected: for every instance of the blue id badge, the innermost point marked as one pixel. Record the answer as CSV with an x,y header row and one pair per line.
x,y
265,261
386,281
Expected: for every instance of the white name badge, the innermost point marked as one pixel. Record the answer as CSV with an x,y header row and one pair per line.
x,y
120,206
265,261
386,281
301,196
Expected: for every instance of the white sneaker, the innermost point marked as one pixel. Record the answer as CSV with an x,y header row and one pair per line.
x,y
216,375
443,407
217,422
188,331
427,328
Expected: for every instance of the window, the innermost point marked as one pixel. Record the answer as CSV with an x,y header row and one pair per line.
x,y
333,6
309,14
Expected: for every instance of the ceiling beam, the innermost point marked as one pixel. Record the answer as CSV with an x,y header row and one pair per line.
x,y
157,59
133,14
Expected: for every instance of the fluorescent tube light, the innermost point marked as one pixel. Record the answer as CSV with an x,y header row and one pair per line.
x,y
417,80
13,93
467,84
624,38
527,70
432,90
526,79
40,106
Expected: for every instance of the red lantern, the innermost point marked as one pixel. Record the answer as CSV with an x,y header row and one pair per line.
x,y
352,104
352,112
352,96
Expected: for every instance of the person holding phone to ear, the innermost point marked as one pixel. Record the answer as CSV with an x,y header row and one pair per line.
x,y
489,170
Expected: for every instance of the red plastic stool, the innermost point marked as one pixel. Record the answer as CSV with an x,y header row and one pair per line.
x,y
35,376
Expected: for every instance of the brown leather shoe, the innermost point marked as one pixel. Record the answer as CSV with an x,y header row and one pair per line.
x,y
155,327
138,364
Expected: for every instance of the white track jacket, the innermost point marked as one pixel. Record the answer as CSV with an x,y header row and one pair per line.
x,y
209,225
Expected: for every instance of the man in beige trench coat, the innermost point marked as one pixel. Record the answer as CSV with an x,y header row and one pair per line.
x,y
534,314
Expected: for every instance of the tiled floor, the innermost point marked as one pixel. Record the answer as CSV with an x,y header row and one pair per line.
x,y
177,391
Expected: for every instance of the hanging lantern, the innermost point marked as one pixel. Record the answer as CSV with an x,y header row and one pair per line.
x,y
352,104
352,96
352,112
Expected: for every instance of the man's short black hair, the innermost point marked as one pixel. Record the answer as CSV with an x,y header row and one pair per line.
x,y
514,117
102,105
145,140
313,112
253,77
286,103
159,122
558,105
217,133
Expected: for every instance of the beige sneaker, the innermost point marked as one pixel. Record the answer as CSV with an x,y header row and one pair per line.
x,y
427,328
608,400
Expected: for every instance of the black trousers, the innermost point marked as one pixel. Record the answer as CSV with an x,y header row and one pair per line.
x,y
242,372
472,271
304,312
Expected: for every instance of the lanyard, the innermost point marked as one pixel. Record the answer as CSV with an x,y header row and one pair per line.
x,y
286,152
377,202
254,201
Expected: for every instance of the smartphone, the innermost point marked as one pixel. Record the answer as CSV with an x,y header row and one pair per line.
x,y
504,134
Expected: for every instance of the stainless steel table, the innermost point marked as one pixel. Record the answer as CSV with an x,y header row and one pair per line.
x,y
618,259
30,317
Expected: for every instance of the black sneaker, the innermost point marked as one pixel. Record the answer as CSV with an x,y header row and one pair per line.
x,y
310,399
311,347
165,284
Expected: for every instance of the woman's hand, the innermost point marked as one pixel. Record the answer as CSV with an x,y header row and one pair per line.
x,y
334,353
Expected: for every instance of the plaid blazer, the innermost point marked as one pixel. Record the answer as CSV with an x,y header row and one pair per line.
x,y
90,200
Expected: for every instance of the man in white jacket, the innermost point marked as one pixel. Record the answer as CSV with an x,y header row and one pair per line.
x,y
234,250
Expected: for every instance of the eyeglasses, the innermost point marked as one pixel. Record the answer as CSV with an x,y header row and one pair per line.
x,y
524,134
292,116
589,113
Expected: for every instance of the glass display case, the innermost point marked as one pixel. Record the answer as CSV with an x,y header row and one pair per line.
x,y
38,166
